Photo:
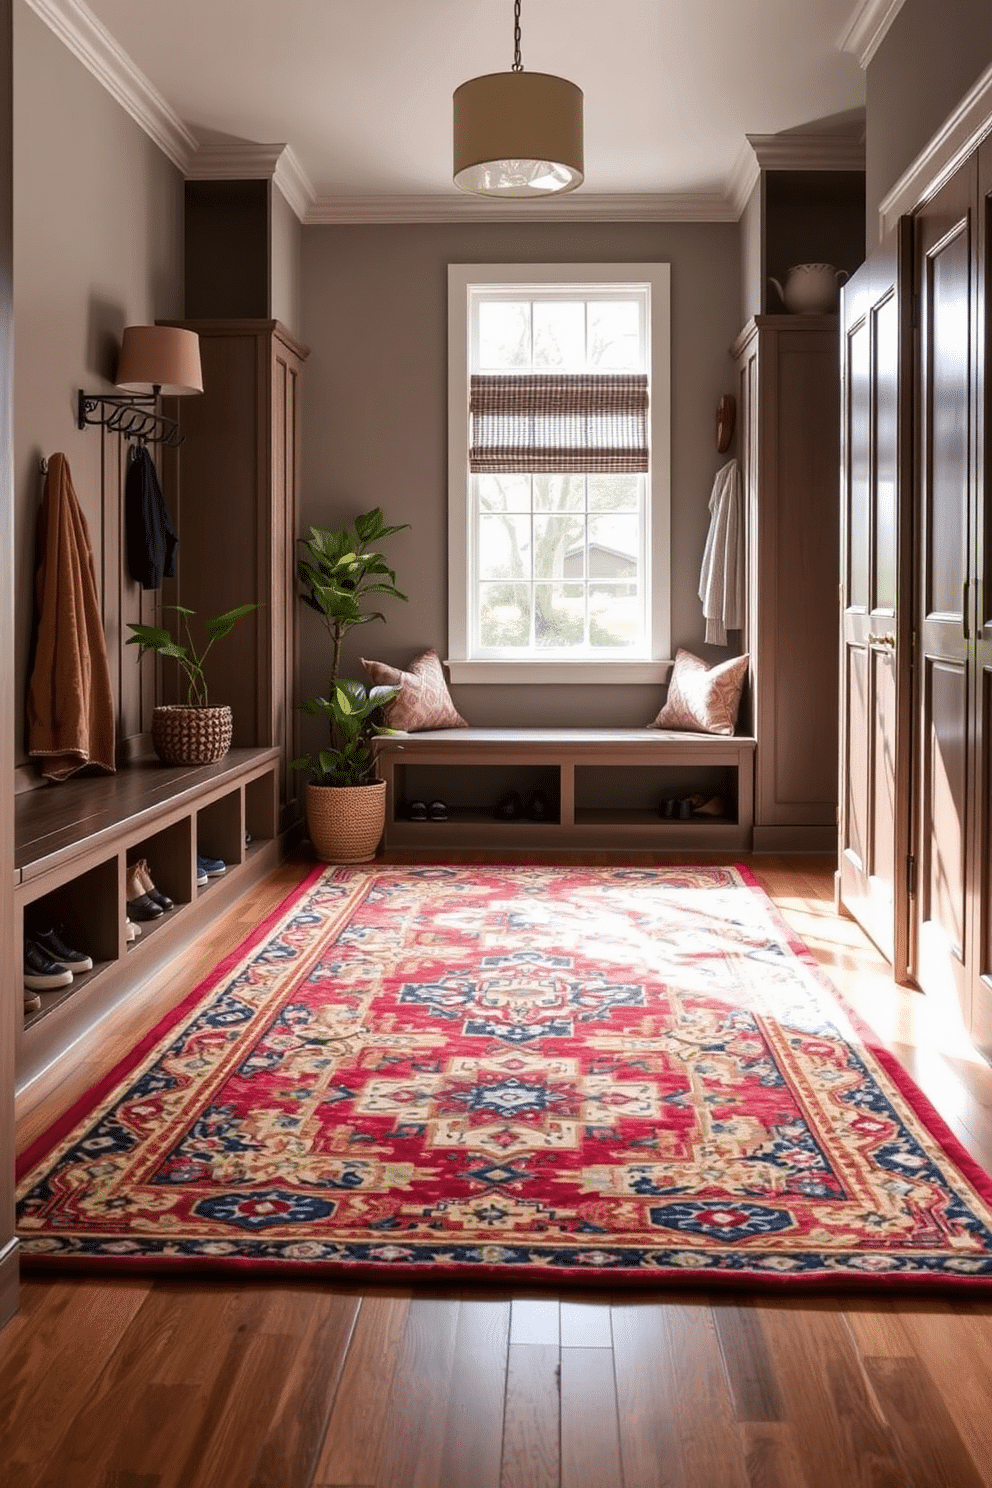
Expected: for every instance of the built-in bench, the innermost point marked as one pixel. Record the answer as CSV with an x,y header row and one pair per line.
x,y
73,843
606,788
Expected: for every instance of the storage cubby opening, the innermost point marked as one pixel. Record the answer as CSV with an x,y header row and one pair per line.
x,y
472,792
261,810
640,793
84,912
167,855
220,829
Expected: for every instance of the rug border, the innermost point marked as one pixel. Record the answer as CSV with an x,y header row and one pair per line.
x,y
380,1273
51,1136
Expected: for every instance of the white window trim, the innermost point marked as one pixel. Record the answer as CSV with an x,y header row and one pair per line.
x,y
658,520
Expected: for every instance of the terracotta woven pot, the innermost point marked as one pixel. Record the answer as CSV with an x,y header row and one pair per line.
x,y
191,736
345,822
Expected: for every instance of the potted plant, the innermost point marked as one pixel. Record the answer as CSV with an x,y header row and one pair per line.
x,y
346,803
339,570
195,732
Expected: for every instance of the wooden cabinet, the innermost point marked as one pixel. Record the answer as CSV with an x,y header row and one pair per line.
x,y
234,483
788,411
916,830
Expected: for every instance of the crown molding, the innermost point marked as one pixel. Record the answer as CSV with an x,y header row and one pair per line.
x,y
808,152
92,44
572,207
954,141
867,27
743,178
243,160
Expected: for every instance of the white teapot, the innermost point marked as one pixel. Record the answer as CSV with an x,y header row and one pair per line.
x,y
811,289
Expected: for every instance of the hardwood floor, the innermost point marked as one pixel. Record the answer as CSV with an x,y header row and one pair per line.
x,y
138,1383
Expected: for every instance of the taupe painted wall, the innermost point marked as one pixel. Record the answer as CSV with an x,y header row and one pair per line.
x,y
285,246
97,246
375,421
932,54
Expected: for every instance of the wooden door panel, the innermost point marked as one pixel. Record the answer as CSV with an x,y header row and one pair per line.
x,y
980,846
948,403
882,793
886,449
855,818
875,754
945,496
944,800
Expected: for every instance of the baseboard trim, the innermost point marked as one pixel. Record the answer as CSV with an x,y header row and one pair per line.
x,y
9,1280
814,837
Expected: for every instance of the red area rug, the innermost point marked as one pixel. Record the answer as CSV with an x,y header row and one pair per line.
x,y
537,1074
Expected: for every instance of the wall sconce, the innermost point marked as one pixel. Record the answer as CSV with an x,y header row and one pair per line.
x,y
155,361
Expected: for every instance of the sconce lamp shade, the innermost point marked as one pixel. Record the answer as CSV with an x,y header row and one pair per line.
x,y
162,357
518,134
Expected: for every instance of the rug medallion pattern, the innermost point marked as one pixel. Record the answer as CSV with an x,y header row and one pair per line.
x,y
513,1071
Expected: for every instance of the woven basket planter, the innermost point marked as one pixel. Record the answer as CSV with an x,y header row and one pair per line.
x,y
345,822
191,736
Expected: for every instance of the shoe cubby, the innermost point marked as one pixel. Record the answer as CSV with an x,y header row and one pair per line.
x,y
220,830
261,812
73,846
639,793
472,792
168,855
605,789
84,911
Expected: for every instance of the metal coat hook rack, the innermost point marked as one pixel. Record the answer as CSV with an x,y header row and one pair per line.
x,y
132,415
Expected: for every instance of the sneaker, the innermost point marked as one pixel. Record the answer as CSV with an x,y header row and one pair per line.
x,y
52,942
212,867
42,973
201,876
32,1002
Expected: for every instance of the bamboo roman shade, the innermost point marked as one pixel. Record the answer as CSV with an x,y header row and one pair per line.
x,y
558,423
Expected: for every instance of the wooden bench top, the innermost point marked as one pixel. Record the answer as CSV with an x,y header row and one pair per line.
x,y
591,739
59,821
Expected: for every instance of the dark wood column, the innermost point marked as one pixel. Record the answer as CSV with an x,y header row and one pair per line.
x,y
10,994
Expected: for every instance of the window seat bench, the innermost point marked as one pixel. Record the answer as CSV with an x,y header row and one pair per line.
x,y
605,788
72,846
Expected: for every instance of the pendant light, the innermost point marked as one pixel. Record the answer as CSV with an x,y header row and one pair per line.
x,y
518,134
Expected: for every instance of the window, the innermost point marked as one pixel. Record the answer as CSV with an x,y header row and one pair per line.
x,y
559,472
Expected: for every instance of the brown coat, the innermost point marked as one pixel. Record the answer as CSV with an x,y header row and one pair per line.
x,y
70,706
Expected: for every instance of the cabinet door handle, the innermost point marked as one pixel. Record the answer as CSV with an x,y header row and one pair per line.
x,y
888,640
964,609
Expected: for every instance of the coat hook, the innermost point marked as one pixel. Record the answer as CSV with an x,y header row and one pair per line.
x,y
43,462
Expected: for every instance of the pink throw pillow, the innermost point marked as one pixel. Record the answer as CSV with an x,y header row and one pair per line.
x,y
424,701
703,698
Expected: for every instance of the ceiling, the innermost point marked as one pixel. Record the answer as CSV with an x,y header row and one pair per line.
x,y
360,90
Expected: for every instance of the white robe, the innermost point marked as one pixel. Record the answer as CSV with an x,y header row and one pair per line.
x,y
721,579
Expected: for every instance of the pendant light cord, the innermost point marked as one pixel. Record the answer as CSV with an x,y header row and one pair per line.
x,y
518,65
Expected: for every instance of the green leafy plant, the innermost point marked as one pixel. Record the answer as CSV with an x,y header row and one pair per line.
x,y
349,710
190,661
339,571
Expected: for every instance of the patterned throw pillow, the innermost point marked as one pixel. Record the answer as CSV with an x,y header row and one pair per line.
x,y
703,698
424,701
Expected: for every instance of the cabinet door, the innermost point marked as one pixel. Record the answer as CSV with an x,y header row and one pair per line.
x,y
875,553
945,472
980,846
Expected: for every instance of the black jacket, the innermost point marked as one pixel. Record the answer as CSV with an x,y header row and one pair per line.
x,y
150,535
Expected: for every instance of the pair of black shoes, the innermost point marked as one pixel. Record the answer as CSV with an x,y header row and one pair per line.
x,y
49,962
437,811
511,807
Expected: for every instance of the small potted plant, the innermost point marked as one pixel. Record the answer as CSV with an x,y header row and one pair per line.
x,y
195,732
346,804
